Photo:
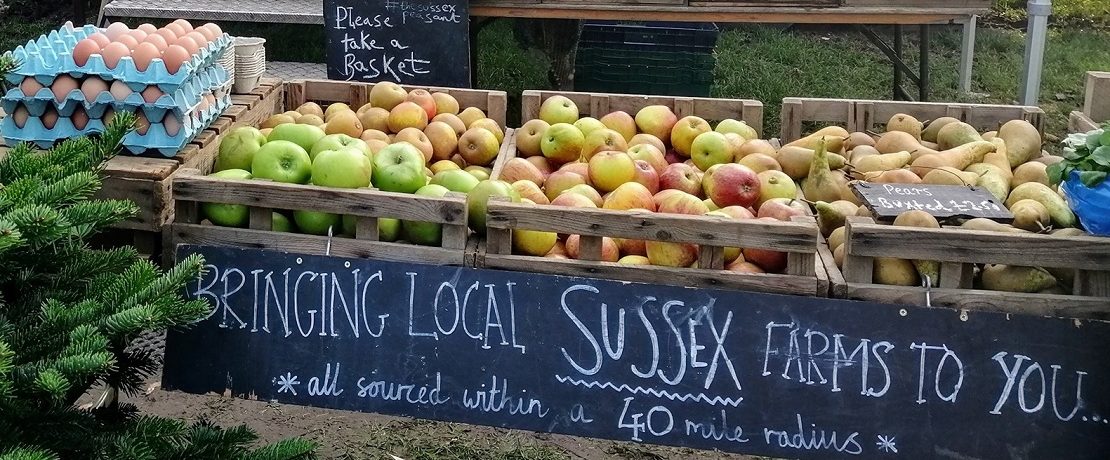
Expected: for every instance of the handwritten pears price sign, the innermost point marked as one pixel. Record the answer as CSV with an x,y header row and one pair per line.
x,y
887,201
421,42
780,376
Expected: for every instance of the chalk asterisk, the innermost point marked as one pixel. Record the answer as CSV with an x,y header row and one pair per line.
x,y
287,383
886,444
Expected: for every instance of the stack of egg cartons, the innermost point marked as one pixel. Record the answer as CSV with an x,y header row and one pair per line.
x,y
73,80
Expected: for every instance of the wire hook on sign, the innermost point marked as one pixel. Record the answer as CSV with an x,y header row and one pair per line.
x,y
926,283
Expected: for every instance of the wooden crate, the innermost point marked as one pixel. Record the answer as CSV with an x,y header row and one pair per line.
x,y
958,250
599,104
865,115
190,188
355,94
799,239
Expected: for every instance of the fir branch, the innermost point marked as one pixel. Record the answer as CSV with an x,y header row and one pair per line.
x,y
287,449
27,453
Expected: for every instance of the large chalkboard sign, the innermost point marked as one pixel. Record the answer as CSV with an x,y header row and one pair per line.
x,y
887,201
764,374
420,42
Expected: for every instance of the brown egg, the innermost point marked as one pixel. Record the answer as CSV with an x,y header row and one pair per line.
x,y
30,86
84,49
189,44
109,115
100,39
177,30
128,40
113,53
147,27
172,124
158,41
167,34
151,94
119,90
175,56
116,30
141,123
208,33
139,35
144,54
62,86
79,118
199,38
92,87
185,25
215,29
49,119
20,116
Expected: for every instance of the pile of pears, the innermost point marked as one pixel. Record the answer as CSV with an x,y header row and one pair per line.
x,y
1008,163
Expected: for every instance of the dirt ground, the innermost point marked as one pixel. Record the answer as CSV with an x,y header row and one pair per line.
x,y
355,435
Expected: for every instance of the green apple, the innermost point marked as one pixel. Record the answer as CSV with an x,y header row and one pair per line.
x,y
479,172
388,229
588,125
237,148
399,168
562,143
710,148
558,109
317,223
478,198
228,215
739,127
344,168
282,161
280,223
302,135
338,142
456,180
425,233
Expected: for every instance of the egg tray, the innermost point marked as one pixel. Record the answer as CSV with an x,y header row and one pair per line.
x,y
211,79
51,55
156,137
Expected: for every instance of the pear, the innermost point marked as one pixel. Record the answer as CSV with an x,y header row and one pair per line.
x,y
1032,171
905,123
831,216
1058,209
819,184
860,152
1030,215
921,219
1012,278
987,225
930,132
896,272
882,162
1022,139
795,161
947,175
992,179
857,139
834,137
957,134
958,157
898,141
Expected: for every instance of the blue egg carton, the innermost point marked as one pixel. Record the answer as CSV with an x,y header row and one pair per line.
x,y
35,132
156,138
52,54
210,79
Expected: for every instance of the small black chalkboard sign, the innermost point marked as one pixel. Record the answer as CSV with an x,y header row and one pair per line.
x,y
887,201
769,375
419,42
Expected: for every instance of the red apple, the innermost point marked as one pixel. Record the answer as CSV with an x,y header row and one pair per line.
x,y
644,138
582,169
736,212
681,176
742,266
731,184
588,192
560,181
521,169
650,154
541,163
783,209
630,195
682,203
573,200
676,254
672,157
664,194
646,176
769,261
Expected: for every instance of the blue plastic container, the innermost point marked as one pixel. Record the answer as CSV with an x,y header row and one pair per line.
x,y
1092,205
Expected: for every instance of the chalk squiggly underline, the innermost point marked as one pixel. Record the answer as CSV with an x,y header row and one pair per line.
x,y
702,397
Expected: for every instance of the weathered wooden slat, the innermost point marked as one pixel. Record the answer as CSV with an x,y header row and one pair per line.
x,y
311,244
359,202
716,231
1063,306
690,277
967,246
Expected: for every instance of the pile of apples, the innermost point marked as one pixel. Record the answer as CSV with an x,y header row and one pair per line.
x,y
1008,163
406,142
650,162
